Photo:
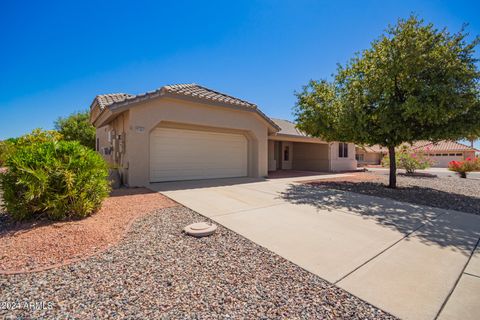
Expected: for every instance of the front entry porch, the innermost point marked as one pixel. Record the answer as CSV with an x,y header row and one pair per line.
x,y
298,156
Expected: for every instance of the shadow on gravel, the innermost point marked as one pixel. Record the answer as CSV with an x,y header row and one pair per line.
x,y
459,232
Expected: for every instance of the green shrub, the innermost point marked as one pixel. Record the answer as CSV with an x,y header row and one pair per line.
x,y
59,180
8,147
409,160
462,167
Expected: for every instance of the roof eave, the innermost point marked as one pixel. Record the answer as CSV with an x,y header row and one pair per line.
x,y
118,107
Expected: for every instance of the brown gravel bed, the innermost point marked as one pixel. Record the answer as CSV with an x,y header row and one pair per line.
x,y
41,245
452,192
157,272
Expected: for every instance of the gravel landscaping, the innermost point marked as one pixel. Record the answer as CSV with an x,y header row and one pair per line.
x,y
156,271
452,193
38,245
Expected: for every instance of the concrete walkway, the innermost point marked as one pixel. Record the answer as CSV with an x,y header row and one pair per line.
x,y
413,261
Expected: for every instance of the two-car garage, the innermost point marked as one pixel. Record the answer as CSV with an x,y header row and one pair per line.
x,y
182,154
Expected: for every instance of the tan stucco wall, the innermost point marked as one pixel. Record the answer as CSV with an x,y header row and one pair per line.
x,y
118,156
145,116
272,163
342,164
310,157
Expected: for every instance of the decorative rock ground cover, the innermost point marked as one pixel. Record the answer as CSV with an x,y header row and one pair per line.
x,y
158,272
452,193
44,244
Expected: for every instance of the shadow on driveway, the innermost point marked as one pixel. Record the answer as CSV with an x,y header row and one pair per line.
x,y
456,231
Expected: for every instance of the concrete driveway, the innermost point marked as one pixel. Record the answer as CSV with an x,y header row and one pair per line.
x,y
415,262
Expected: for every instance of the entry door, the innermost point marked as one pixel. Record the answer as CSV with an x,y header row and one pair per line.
x,y
179,154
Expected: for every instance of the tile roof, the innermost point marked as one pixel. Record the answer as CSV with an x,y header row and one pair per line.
x,y
105,100
288,127
195,90
191,90
188,90
443,145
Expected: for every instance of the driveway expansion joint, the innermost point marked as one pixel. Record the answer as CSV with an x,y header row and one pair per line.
x,y
458,279
386,249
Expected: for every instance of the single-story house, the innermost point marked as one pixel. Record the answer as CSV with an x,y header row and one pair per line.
x,y
370,155
441,152
188,132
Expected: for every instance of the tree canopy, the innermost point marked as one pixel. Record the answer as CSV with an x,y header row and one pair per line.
x,y
414,83
77,127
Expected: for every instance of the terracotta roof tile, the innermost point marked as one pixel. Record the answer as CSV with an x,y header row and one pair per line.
x,y
425,145
288,127
105,100
195,90
115,100
443,145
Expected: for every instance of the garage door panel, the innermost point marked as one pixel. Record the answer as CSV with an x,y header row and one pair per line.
x,y
177,154
442,161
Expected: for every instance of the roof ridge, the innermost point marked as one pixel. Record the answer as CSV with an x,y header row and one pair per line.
x,y
224,94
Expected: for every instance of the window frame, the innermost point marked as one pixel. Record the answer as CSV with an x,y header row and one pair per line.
x,y
343,150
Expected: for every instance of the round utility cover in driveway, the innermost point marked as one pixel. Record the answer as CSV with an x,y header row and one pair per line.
x,y
200,229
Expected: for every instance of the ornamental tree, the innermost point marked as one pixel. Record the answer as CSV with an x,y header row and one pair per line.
x,y
77,127
415,82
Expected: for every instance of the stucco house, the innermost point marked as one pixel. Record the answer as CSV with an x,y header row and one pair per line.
x,y
441,152
188,132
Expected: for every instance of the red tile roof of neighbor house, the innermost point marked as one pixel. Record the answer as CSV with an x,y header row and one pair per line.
x,y
443,145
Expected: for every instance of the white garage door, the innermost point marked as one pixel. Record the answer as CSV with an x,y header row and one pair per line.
x,y
441,161
178,154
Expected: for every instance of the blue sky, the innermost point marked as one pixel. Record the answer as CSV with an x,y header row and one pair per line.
x,y
56,56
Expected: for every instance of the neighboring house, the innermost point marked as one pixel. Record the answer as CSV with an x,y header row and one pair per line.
x,y
187,132
370,155
441,153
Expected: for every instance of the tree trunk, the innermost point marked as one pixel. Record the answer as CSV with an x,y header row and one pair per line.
x,y
393,168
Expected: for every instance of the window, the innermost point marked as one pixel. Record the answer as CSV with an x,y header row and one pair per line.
x,y
459,154
342,150
286,154
359,157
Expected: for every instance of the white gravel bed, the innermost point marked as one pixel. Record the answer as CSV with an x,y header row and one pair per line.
x,y
452,193
157,272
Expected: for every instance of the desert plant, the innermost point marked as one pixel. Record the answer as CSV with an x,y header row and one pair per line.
x,y
57,180
462,167
409,160
36,136
8,147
